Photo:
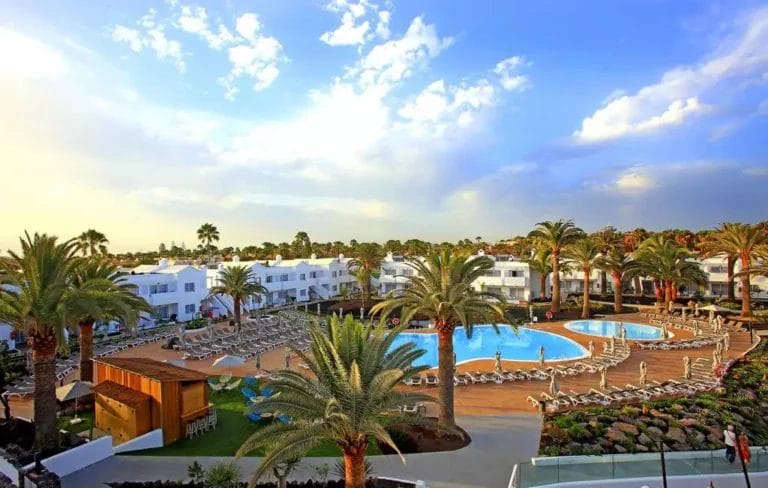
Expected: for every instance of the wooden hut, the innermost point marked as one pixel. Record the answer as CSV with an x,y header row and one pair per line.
x,y
174,395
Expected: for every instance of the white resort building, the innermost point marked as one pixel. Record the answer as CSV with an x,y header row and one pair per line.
x,y
175,291
288,281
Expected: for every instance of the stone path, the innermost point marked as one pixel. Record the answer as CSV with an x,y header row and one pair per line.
x,y
498,443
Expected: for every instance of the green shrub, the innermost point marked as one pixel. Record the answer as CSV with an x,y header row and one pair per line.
x,y
223,475
578,432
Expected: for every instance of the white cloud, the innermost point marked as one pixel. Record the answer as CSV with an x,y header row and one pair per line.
x,y
634,180
248,26
194,20
756,171
256,60
509,79
26,57
357,17
676,97
151,34
132,37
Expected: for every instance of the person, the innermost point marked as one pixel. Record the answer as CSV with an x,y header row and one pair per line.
x,y
744,453
730,444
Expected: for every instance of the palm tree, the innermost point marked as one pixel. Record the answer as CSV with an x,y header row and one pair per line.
x,y
353,386
606,239
109,296
92,242
631,241
33,290
206,234
441,288
583,254
742,240
618,263
668,264
541,263
302,245
239,283
556,236
702,239
368,257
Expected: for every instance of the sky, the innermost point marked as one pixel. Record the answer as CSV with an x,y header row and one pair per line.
x,y
377,119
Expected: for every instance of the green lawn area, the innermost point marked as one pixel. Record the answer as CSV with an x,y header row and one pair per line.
x,y
232,430
63,422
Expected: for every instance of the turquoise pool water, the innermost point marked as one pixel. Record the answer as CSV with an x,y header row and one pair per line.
x,y
521,346
608,328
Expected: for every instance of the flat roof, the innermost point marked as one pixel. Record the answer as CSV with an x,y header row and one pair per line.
x,y
121,393
155,370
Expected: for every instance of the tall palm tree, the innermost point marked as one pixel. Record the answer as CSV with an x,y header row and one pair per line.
x,y
239,283
619,264
702,239
111,296
583,254
441,288
34,285
556,236
541,263
606,239
742,240
207,234
92,242
415,247
367,260
668,264
353,386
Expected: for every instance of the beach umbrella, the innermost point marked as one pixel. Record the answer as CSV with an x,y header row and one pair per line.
x,y
530,311
182,337
726,341
696,310
306,308
497,367
719,347
591,347
623,337
716,308
612,345
74,391
362,313
711,315
695,329
671,306
318,308
228,361
664,331
287,358
541,355
604,377
687,368
643,372
258,361
554,385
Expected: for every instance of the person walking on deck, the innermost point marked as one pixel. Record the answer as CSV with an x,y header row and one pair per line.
x,y
730,444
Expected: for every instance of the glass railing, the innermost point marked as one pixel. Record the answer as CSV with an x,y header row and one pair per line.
x,y
564,470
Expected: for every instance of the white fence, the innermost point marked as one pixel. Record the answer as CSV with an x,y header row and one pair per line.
x,y
732,480
78,458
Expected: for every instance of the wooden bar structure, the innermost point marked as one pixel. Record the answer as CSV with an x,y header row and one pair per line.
x,y
173,396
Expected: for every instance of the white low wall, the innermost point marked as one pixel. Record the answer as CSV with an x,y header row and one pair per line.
x,y
149,440
78,458
630,458
9,470
734,480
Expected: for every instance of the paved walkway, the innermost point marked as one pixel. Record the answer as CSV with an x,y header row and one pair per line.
x,y
498,443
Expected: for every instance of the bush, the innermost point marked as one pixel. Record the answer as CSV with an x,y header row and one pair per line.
x,y
223,475
578,432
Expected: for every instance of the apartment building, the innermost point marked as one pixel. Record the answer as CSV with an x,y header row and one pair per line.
x,y
175,292
287,281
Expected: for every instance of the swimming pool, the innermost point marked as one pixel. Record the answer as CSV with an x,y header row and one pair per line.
x,y
523,346
608,328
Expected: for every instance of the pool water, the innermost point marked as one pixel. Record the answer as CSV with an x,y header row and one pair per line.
x,y
608,328
521,346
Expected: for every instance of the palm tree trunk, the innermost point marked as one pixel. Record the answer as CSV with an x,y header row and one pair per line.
x,y
638,286
354,467
86,350
543,286
746,306
617,305
731,262
667,296
555,282
603,283
237,312
585,299
44,367
445,372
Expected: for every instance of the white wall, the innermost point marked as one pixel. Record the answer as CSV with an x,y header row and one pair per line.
x,y
149,440
78,458
734,480
9,470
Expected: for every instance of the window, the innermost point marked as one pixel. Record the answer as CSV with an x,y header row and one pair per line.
x,y
333,287
303,293
158,289
514,273
315,274
718,269
189,308
341,272
269,278
389,272
303,277
407,272
334,274
189,287
284,277
493,272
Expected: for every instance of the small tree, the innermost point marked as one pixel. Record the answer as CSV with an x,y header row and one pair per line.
x,y
283,470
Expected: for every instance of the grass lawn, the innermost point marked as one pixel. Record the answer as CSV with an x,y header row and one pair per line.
x,y
232,430
63,422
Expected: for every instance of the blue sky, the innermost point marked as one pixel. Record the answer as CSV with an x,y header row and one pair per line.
x,y
375,120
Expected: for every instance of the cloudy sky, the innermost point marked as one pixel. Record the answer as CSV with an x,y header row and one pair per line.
x,y
368,119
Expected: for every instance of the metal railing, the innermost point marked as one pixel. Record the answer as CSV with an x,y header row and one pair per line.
x,y
621,466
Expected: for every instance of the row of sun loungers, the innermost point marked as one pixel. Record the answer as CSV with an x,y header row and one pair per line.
x,y
683,344
115,344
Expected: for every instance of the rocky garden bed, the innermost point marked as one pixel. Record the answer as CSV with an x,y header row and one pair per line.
x,y
371,483
682,424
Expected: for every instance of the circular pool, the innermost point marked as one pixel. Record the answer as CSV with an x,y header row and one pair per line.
x,y
609,328
522,345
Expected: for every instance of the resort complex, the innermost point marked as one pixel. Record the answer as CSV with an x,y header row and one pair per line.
x,y
384,244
